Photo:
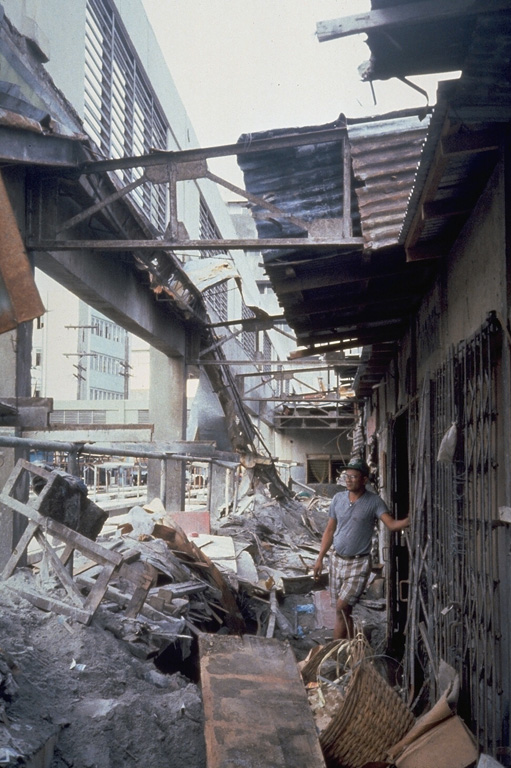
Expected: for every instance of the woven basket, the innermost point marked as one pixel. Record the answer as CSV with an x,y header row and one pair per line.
x,y
369,721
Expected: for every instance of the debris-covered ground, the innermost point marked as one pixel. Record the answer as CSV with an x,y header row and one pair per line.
x,y
123,689
82,683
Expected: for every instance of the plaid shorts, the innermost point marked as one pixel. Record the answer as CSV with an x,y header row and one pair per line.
x,y
348,578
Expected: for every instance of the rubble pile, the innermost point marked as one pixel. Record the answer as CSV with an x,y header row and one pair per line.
x,y
112,680
79,691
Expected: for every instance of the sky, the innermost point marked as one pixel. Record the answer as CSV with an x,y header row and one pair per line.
x,y
243,66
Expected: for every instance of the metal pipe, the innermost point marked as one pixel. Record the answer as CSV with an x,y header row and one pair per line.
x,y
96,449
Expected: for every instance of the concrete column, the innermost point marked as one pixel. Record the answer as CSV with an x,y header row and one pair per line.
x,y
167,411
15,353
219,487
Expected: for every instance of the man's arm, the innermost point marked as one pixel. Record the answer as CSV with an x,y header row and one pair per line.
x,y
393,524
326,543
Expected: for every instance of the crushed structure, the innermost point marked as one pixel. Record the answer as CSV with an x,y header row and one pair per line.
x,y
385,240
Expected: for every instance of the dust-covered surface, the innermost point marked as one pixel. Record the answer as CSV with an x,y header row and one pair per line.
x,y
109,708
99,691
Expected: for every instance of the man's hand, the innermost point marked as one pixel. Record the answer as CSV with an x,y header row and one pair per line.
x,y
318,567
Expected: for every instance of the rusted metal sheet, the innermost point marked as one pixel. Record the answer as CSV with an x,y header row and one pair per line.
x,y
385,155
19,297
256,710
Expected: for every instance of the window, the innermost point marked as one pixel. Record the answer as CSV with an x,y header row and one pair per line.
x,y
121,112
248,338
208,230
216,296
266,351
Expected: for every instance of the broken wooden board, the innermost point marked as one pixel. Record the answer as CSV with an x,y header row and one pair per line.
x,y
193,557
256,709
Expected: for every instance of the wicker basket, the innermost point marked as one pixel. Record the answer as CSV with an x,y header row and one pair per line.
x,y
369,721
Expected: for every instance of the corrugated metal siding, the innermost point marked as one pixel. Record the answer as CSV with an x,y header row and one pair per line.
x,y
385,157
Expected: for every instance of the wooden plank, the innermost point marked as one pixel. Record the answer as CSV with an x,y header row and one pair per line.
x,y
273,613
401,15
60,571
51,604
256,709
112,593
20,548
141,591
97,592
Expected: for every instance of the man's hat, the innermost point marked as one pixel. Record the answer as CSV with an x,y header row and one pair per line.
x,y
360,465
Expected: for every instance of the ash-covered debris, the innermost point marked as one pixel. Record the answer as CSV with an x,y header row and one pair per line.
x,y
79,691
285,532
99,666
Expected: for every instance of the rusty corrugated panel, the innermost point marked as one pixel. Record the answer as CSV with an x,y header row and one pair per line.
x,y
385,155
19,297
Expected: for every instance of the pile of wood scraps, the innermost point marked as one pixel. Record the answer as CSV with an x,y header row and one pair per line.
x,y
161,575
144,567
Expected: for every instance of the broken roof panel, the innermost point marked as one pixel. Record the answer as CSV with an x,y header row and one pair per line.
x,y
337,296
305,182
410,38
463,141
384,158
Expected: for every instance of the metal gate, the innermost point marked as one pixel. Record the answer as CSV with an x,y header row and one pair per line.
x,y
453,601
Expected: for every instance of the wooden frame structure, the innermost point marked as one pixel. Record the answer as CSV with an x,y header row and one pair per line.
x,y
79,607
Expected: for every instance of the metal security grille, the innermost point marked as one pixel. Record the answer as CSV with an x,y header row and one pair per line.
x,y
454,593
121,113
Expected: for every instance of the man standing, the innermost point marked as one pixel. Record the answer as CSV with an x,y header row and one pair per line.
x,y
352,517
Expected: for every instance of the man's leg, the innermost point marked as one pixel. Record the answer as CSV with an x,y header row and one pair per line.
x,y
343,627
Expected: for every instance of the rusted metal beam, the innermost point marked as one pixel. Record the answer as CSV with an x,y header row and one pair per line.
x,y
196,245
84,215
259,201
162,157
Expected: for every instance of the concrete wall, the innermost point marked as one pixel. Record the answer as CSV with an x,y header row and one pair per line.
x,y
471,283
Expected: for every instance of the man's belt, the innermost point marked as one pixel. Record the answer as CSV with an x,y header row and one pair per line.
x,y
351,557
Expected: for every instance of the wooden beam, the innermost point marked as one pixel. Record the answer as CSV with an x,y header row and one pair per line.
x,y
432,249
429,190
348,243
418,13
443,209
466,142
335,307
354,339
375,270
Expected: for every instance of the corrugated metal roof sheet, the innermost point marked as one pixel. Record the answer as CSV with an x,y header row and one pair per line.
x,y
341,296
385,156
